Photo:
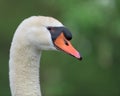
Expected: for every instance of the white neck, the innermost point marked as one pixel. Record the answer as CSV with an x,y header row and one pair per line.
x,y
24,70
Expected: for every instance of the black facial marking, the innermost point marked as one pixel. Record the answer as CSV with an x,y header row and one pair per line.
x,y
56,31
67,34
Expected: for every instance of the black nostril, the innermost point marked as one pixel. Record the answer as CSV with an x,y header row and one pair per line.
x,y
66,43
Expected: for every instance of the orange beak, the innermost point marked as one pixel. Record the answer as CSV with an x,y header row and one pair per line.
x,y
63,44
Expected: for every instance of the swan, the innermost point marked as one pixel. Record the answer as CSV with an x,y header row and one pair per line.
x,y
33,35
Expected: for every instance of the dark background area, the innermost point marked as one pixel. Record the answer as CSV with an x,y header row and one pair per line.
x,y
95,25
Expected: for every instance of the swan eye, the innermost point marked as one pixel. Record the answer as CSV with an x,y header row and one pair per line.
x,y
51,29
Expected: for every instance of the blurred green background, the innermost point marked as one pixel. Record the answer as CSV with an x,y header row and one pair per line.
x,y
95,25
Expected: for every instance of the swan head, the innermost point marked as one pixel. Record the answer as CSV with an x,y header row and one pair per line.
x,y
47,33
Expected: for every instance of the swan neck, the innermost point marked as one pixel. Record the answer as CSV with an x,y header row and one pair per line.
x,y
24,71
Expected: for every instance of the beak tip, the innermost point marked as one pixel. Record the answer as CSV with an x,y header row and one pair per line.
x,y
80,58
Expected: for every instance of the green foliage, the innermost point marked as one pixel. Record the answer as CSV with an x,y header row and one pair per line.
x,y
95,25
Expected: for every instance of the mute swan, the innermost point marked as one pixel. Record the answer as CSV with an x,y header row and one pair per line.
x,y
33,35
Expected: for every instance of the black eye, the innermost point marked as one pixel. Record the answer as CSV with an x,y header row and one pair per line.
x,y
51,29
66,43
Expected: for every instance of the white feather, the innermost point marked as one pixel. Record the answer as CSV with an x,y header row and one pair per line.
x,y
30,38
